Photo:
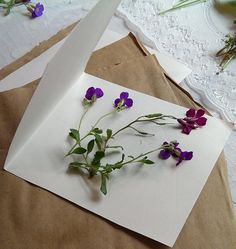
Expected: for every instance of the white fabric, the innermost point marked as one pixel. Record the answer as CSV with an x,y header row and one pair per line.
x,y
191,35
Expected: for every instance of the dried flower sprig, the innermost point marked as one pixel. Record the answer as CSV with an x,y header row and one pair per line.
x,y
182,4
228,52
35,10
98,143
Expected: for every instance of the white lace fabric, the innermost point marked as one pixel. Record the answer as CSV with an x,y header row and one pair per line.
x,y
191,35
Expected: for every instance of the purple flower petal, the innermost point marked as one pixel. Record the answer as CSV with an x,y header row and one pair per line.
x,y
124,95
200,113
190,113
164,154
201,121
188,155
181,158
89,93
98,92
175,145
38,10
129,102
116,102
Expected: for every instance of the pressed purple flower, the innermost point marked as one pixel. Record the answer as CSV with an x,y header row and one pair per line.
x,y
184,155
37,10
93,93
124,101
172,149
194,119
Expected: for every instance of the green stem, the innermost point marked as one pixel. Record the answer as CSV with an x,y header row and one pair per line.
x,y
181,4
225,64
80,122
139,119
97,122
81,119
133,160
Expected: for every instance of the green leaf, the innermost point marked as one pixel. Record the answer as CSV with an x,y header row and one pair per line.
x,y
109,133
75,134
79,150
97,131
103,187
108,168
98,140
146,161
154,115
90,146
10,5
97,157
86,102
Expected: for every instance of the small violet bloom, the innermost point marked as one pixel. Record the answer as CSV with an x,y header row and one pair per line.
x,y
36,10
194,119
93,93
172,149
124,101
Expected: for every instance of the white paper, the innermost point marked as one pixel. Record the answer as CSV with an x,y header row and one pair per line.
x,y
34,69
152,200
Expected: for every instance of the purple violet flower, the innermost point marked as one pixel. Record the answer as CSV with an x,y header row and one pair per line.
x,y
172,149
194,119
124,101
36,10
93,93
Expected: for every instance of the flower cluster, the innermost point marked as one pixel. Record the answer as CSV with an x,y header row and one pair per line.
x,y
172,149
92,147
35,10
194,119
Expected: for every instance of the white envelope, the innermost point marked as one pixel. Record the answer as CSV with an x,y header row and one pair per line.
x,y
152,200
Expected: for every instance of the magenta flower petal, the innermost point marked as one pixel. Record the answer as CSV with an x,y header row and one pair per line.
x,y
201,121
129,103
186,130
190,113
124,95
164,154
200,113
98,92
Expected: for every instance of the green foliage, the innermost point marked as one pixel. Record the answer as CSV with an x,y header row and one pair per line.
x,y
75,134
79,150
90,146
91,152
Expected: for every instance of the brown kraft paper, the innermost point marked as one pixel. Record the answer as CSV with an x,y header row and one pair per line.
x,y
33,218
